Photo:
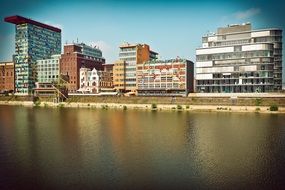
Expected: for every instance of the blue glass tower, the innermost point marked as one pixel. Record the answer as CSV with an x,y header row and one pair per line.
x,y
33,41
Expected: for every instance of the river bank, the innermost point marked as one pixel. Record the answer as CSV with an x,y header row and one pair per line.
x,y
147,107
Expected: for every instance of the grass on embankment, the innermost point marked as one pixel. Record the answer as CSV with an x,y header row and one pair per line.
x,y
219,101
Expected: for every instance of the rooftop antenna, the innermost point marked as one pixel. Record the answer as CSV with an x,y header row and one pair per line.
x,y
77,40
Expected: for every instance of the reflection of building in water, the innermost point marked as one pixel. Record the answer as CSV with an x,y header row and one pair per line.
x,y
227,147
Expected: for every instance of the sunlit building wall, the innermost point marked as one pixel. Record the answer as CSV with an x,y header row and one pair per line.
x,y
239,59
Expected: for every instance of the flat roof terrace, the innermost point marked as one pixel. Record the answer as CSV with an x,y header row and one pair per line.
x,y
16,19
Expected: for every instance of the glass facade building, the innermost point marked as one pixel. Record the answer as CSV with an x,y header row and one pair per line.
x,y
91,51
239,59
48,69
33,41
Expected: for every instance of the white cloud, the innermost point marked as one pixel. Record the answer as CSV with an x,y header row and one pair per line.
x,y
109,52
247,13
101,45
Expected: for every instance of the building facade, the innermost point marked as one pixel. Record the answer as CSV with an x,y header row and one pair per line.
x,y
119,76
133,54
33,41
52,90
239,59
48,69
172,77
94,81
7,76
109,68
76,56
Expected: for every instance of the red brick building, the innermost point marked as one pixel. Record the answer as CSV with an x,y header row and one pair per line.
x,y
76,56
7,76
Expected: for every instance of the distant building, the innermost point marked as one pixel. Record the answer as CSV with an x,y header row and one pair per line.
x,y
239,59
50,89
172,77
7,76
119,70
95,81
76,56
109,68
48,69
33,41
131,55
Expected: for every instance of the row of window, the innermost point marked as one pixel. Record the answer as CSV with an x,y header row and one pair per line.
x,y
235,55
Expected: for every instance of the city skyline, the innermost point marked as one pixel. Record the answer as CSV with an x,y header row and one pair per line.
x,y
171,28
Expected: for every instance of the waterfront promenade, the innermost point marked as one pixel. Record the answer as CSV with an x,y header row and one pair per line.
x,y
195,102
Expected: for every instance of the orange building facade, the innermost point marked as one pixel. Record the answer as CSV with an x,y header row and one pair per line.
x,y
130,56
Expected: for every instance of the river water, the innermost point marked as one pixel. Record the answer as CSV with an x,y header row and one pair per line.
x,y
70,148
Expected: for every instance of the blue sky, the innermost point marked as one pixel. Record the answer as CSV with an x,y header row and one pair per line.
x,y
172,28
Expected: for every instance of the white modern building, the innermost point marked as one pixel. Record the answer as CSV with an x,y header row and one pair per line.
x,y
239,59
48,69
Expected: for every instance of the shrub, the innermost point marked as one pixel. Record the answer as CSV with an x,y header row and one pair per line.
x,y
257,109
37,103
273,108
125,107
104,107
60,105
258,101
35,99
153,106
179,107
187,106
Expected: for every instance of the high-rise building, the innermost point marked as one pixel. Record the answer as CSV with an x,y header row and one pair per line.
x,y
76,56
239,59
172,77
132,55
33,41
7,76
48,69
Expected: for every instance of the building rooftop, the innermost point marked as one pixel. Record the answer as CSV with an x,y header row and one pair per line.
x,y
81,44
6,63
153,52
127,45
21,20
237,29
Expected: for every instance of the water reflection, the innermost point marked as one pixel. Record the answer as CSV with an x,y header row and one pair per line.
x,y
85,148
